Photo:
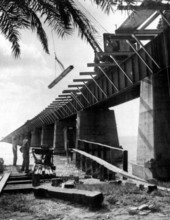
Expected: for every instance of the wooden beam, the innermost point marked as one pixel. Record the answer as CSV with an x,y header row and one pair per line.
x,y
100,64
58,104
85,197
53,106
154,6
120,53
60,77
18,188
108,165
81,80
70,90
59,101
65,96
87,73
76,85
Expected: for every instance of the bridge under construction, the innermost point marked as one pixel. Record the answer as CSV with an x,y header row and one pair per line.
x,y
135,63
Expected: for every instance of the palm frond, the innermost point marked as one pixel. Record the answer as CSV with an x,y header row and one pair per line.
x,y
54,15
34,21
80,21
9,27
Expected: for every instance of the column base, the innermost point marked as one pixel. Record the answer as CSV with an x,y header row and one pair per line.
x,y
154,172
142,172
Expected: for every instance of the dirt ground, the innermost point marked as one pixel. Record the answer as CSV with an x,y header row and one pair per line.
x,y
118,202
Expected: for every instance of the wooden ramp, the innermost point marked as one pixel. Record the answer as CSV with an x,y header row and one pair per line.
x,y
109,166
3,181
22,188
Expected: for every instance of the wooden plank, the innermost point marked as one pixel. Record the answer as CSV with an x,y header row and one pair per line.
x,y
22,177
4,180
119,53
100,64
81,80
76,85
89,198
87,73
18,188
60,77
65,96
13,182
63,99
101,145
70,90
109,166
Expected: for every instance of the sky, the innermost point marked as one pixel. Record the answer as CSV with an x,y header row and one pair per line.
x,y
24,81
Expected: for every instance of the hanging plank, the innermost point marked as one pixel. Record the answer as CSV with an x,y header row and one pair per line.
x,y
60,77
4,180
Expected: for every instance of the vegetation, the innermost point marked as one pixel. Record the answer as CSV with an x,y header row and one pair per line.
x,y
116,199
62,15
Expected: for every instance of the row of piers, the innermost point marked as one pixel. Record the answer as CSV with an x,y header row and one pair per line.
x,y
99,125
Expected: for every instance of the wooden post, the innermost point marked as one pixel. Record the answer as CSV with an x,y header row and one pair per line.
x,y
125,160
105,171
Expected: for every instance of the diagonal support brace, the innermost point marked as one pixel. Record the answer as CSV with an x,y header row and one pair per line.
x,y
139,56
139,42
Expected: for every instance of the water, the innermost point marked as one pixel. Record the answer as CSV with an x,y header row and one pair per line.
x,y
7,155
128,143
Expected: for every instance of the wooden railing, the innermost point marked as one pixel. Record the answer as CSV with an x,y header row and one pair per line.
x,y
112,155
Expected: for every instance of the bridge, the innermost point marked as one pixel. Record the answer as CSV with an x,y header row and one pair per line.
x,y
125,70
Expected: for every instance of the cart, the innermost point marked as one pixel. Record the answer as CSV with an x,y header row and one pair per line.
x,y
44,163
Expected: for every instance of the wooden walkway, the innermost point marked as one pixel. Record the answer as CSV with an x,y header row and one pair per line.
x,y
13,179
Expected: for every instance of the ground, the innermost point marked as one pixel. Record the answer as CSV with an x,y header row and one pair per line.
x,y
118,200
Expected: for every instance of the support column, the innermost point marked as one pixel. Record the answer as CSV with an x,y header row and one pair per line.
x,y
153,150
47,136
20,140
36,137
99,126
59,139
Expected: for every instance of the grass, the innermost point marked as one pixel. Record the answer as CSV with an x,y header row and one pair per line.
x,y
115,196
128,196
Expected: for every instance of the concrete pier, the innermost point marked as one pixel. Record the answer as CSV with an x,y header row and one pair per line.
x,y
47,135
60,138
99,126
36,137
153,150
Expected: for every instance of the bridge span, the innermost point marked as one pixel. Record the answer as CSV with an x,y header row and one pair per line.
x,y
127,69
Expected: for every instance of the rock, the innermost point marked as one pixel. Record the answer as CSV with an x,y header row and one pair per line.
x,y
133,210
152,188
116,182
130,184
141,187
143,207
146,212
69,184
56,181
